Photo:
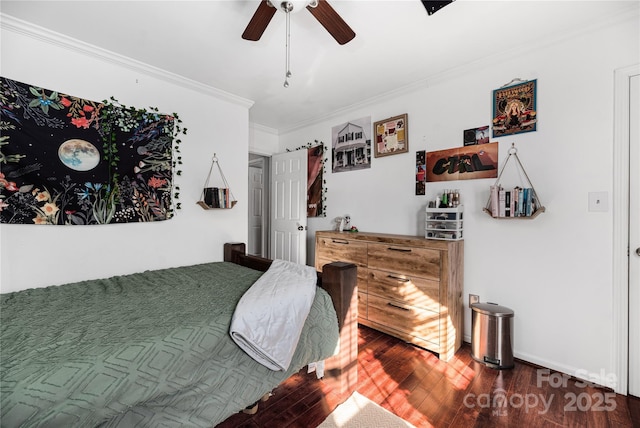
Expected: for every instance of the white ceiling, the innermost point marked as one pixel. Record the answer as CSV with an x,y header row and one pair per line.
x,y
396,45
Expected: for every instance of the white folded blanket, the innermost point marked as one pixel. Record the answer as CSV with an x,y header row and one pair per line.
x,y
269,317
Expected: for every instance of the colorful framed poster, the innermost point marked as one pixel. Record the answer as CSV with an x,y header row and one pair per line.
x,y
391,136
463,163
514,109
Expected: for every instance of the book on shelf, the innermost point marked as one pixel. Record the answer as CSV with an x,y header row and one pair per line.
x,y
217,197
529,201
516,202
494,200
520,202
507,203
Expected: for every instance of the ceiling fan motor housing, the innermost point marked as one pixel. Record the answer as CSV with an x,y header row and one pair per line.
x,y
292,6
320,9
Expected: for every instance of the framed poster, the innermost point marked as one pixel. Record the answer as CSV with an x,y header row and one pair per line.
x,y
476,136
390,136
514,109
351,146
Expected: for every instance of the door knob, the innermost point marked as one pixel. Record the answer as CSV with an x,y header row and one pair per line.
x,y
638,251
300,227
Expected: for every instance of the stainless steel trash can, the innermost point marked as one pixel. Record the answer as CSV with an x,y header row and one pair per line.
x,y
492,335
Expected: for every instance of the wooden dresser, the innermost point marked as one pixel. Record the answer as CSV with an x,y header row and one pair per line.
x,y
408,286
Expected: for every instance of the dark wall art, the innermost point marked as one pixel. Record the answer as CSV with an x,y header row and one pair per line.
x,y
514,109
316,184
476,136
463,163
315,181
66,160
421,172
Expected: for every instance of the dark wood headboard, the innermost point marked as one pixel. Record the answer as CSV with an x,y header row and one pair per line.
x,y
339,279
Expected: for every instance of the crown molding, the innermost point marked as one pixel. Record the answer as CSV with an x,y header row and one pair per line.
x,y
263,128
629,14
18,26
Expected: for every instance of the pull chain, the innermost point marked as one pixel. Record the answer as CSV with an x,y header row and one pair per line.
x,y
287,57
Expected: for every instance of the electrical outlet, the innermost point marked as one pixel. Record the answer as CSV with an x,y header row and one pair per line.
x,y
473,298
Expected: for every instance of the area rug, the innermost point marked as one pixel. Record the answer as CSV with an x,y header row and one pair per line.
x,y
360,412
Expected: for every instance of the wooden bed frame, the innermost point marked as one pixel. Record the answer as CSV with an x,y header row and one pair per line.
x,y
339,279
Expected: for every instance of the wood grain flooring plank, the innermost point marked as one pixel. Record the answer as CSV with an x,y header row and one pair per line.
x,y
415,385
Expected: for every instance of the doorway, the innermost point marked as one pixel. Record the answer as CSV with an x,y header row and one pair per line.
x,y
277,216
258,237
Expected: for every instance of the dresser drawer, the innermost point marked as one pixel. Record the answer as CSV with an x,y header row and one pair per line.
x,y
414,291
413,261
407,319
341,249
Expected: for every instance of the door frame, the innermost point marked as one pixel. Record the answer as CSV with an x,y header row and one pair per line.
x,y
620,198
263,162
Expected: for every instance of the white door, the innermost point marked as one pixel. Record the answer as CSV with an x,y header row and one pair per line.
x,y
256,244
634,235
288,206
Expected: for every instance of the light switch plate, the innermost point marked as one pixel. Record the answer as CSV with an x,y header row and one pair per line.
x,y
598,201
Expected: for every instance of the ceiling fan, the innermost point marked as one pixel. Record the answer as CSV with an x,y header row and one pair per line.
x,y
320,9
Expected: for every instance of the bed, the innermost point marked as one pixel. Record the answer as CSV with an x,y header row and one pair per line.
x,y
153,349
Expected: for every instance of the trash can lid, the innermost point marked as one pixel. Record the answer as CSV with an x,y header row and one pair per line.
x,y
492,309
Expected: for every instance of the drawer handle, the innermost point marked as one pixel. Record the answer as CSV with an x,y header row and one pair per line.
x,y
403,250
339,241
397,278
398,307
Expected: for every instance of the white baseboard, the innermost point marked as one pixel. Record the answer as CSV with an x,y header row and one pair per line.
x,y
607,380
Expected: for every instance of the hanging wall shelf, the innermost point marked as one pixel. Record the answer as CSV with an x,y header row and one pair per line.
x,y
216,197
517,203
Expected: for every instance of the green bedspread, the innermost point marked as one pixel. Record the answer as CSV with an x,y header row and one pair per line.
x,y
149,349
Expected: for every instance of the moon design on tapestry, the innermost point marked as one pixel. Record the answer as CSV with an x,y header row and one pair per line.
x,y
79,155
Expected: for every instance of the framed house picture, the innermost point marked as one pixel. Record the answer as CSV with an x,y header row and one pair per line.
x,y
390,136
351,145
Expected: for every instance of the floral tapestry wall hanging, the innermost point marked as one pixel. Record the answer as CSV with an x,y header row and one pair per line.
x,y
514,108
73,161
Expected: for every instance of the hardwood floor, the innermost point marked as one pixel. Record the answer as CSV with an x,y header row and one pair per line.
x,y
415,385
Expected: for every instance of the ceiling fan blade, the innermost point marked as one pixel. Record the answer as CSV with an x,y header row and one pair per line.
x,y
434,6
259,21
333,23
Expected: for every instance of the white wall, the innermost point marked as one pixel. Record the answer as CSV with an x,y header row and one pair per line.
x,y
35,256
554,271
263,140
